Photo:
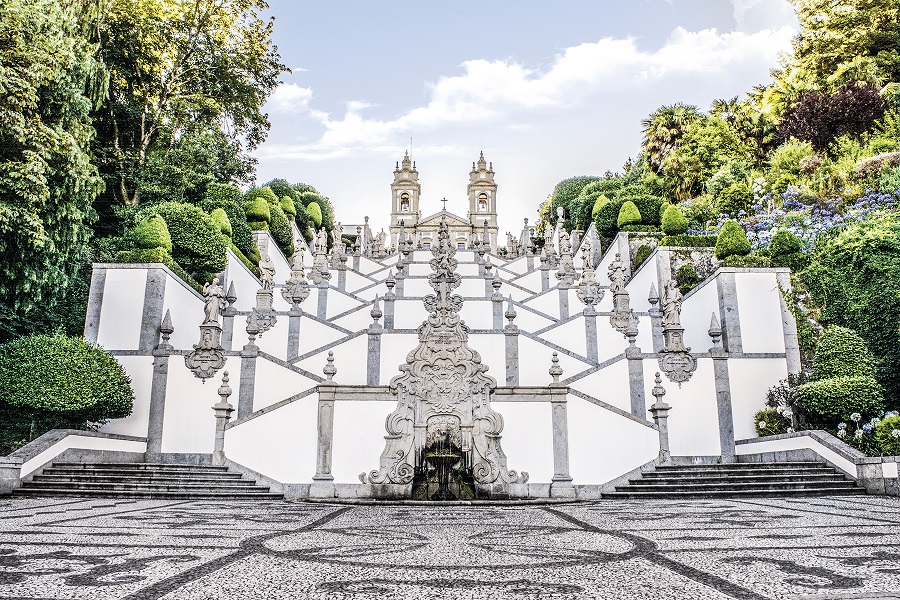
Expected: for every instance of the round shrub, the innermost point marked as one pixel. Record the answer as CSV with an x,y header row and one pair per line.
x,y
197,243
686,278
784,242
835,399
607,217
151,233
673,221
256,206
55,381
771,422
735,198
280,228
228,198
220,218
315,214
648,205
287,205
887,433
641,254
599,203
732,241
841,352
628,214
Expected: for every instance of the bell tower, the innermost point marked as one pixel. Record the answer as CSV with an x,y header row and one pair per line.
x,y
405,192
482,191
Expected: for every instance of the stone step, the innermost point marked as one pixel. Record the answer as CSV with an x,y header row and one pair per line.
x,y
143,494
734,493
744,466
668,479
736,472
724,486
139,473
139,480
178,486
139,466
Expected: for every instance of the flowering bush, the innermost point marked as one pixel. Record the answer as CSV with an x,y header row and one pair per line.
x,y
887,433
773,421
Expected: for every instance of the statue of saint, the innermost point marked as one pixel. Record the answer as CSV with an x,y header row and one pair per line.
x,y
267,272
671,305
617,275
322,242
215,301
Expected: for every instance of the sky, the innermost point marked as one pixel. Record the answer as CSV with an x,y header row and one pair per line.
x,y
547,90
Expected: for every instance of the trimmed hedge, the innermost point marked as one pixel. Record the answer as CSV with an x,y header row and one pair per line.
x,y
640,255
835,399
751,261
732,241
784,242
287,205
228,198
151,233
770,422
256,205
841,352
157,255
887,433
280,228
689,241
220,218
673,221
628,215
599,203
314,211
55,381
197,243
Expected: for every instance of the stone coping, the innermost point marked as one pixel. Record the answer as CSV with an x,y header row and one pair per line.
x,y
182,282
829,441
35,447
440,503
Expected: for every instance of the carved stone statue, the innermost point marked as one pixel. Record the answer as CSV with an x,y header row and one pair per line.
x,y
617,275
671,305
322,242
215,301
267,272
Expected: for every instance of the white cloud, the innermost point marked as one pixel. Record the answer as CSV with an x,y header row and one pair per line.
x,y
740,8
498,91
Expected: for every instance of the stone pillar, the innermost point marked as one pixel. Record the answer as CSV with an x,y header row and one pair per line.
x,y
656,319
561,483
322,308
158,385
635,359
323,480
563,300
342,270
788,324
228,318
545,272
624,249
728,309
660,412
249,355
590,332
95,305
723,392
10,474
373,360
511,336
223,410
154,293
294,320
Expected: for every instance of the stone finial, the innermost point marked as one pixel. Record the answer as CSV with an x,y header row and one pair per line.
x,y
715,331
555,370
224,389
510,313
330,370
631,330
252,328
231,295
376,312
166,329
390,282
487,265
496,283
653,298
658,390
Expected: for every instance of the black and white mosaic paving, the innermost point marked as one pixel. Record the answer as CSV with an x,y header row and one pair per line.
x,y
823,548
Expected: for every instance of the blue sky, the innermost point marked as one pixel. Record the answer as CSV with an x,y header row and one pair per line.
x,y
547,90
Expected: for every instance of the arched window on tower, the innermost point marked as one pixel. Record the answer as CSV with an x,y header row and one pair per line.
x,y
404,202
482,202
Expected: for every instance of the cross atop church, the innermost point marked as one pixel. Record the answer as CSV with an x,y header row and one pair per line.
x,y
444,200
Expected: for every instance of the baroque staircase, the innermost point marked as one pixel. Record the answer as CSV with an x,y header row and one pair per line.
x,y
738,480
143,480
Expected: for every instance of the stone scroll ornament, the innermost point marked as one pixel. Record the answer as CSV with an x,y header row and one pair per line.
x,y
621,300
675,359
206,358
443,380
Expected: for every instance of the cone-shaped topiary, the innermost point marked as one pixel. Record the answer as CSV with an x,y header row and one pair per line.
x,y
841,352
628,215
287,205
784,242
732,241
220,218
315,214
152,233
599,203
197,243
673,221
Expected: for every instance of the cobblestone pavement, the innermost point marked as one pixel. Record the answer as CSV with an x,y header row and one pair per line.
x,y
748,549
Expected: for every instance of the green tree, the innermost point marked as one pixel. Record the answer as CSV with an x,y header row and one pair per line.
x,y
565,194
47,181
663,130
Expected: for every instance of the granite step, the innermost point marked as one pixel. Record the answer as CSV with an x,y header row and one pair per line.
x,y
735,493
139,474
150,479
147,495
667,479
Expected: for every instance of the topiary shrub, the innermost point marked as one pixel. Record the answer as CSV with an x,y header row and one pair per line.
x,y
151,233
836,398
220,218
640,255
751,261
287,205
689,241
732,241
607,216
228,198
887,433
841,352
784,242
628,215
54,381
673,221
257,203
648,205
197,243
686,278
156,255
771,422
314,211
599,203
280,228
735,198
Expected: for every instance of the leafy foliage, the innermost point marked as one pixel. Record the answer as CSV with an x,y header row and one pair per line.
x,y
837,398
220,218
640,255
228,198
314,211
628,214
887,432
841,352
689,241
732,241
770,421
686,278
152,233
197,242
673,221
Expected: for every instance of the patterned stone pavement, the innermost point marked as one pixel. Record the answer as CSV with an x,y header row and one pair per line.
x,y
748,549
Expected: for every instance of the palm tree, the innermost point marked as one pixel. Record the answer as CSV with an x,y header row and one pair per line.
x,y
663,129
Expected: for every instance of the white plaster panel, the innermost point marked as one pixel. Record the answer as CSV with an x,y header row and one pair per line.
x,y
367,266
478,314
759,309
608,256
570,335
350,359
606,302
83,443
528,321
274,341
693,420
408,314
339,302
358,438
120,315
609,384
472,288
186,311
280,444
798,443
369,294
245,283
527,438
416,287
358,319
890,470
274,383
492,348
639,286
518,294
696,314
278,301
140,371
314,334
189,423
604,445
394,348
532,281
547,303
535,361
517,266
355,282
418,270
467,269
750,380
